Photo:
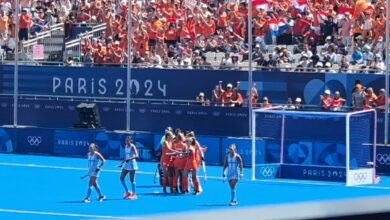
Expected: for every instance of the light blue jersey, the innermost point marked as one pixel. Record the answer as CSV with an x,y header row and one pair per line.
x,y
93,161
232,167
132,164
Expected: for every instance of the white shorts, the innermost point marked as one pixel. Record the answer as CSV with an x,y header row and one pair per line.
x,y
131,165
94,173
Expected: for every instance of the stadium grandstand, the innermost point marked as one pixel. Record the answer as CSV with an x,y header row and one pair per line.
x,y
324,36
295,90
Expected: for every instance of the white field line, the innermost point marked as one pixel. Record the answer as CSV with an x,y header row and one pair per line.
x,y
209,177
63,214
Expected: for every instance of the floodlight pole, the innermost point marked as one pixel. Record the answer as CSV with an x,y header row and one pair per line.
x,y
16,68
129,61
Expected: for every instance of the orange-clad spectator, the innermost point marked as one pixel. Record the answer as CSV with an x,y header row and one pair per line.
x,y
379,26
109,52
237,100
337,103
100,54
117,53
160,37
209,26
24,24
326,100
227,96
152,28
222,18
190,24
260,26
117,26
4,23
369,101
184,32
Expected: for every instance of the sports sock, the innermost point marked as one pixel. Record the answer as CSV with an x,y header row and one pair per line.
x,y
125,185
233,194
89,192
133,187
98,190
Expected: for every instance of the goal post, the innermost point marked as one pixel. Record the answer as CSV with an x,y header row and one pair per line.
x,y
328,146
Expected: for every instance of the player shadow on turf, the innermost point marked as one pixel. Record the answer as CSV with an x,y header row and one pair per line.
x,y
212,205
150,186
155,194
93,200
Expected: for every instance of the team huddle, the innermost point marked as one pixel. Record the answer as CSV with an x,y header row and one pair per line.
x,y
180,159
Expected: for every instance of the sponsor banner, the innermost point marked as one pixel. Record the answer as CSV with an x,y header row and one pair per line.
x,y
334,174
267,171
244,148
360,177
383,159
34,140
177,84
75,142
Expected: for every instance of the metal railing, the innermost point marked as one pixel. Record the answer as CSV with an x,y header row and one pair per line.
x,y
73,48
28,45
177,102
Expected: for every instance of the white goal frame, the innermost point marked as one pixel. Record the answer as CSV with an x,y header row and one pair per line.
x,y
351,175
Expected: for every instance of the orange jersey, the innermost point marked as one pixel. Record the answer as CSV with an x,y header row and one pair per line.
x,y
180,162
166,160
193,161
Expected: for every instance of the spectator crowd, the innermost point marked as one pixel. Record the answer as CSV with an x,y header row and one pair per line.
x,y
319,35
361,98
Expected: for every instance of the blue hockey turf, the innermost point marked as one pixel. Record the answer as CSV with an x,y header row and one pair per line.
x,y
41,187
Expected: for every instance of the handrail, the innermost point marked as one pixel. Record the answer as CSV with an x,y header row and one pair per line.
x,y
218,67
85,35
42,35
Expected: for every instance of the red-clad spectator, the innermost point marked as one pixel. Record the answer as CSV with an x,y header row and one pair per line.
x,y
24,25
84,17
326,100
337,103
381,100
301,26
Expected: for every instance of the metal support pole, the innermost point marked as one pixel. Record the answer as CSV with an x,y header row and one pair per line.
x,y
16,68
129,61
250,74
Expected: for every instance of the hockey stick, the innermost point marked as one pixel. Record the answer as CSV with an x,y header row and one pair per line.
x,y
156,174
83,177
203,166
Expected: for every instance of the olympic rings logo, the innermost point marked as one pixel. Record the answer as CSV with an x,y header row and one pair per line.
x,y
360,177
267,171
383,159
34,140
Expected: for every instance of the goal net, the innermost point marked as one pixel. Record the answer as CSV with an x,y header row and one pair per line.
x,y
327,146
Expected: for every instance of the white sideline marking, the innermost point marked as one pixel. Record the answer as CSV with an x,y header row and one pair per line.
x,y
209,177
63,214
